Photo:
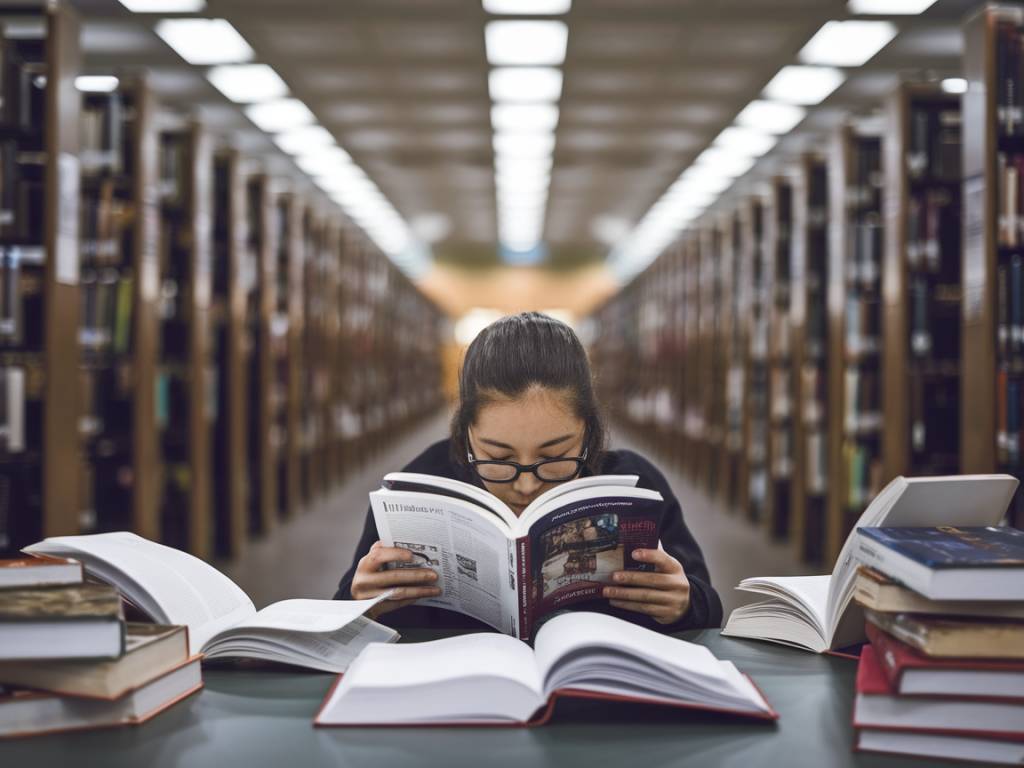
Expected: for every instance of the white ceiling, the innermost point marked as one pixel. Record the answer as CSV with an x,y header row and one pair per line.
x,y
402,84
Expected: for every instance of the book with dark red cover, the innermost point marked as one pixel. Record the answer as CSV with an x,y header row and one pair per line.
x,y
911,673
491,679
878,706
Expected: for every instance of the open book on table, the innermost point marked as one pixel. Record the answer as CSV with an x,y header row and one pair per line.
x,y
173,587
507,571
487,679
818,612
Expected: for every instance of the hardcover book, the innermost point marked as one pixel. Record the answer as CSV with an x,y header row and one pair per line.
x,y
491,679
27,713
173,587
912,673
507,571
878,706
150,651
968,638
878,592
948,562
72,621
39,572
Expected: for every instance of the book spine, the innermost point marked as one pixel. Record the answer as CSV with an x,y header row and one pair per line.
x,y
885,652
525,604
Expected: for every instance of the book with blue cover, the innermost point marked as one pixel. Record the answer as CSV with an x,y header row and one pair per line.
x,y
949,546
948,562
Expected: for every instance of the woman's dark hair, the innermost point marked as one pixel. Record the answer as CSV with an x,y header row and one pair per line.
x,y
518,352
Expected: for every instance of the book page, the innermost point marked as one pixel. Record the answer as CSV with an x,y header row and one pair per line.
x,y
471,552
579,539
416,482
325,651
596,652
304,615
481,677
172,586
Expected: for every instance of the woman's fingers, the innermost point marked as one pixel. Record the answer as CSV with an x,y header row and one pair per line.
x,y
403,594
643,595
662,561
398,577
379,556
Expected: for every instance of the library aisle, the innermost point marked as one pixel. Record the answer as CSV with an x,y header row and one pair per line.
x,y
305,556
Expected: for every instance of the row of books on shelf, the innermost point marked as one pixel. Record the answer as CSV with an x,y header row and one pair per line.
x,y
1010,307
21,298
933,232
943,675
1010,214
934,152
863,468
1009,79
1009,409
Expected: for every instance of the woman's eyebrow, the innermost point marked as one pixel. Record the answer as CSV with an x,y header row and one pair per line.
x,y
547,444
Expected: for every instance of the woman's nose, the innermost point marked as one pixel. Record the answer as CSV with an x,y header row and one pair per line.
x,y
526,484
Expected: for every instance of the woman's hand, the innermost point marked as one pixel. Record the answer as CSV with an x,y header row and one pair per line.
x,y
663,594
409,584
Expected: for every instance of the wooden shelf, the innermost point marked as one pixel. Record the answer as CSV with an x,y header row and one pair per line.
x,y
983,141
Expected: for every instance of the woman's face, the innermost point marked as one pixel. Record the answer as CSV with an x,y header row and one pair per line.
x,y
539,425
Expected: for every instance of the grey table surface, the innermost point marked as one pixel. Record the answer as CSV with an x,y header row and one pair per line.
x,y
263,717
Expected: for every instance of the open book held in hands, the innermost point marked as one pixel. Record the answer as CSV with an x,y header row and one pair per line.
x,y
818,612
173,587
510,572
489,679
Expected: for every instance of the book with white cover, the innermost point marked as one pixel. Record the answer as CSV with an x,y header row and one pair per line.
x,y
817,612
507,571
492,679
173,587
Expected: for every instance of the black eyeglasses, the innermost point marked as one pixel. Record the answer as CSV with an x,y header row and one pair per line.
x,y
549,470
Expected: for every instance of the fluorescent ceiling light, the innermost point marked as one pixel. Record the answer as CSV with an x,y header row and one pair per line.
x,y
525,84
204,41
889,7
847,43
524,144
770,116
164,6
526,43
746,141
246,83
96,83
321,159
514,166
798,84
516,118
954,85
527,7
279,115
301,140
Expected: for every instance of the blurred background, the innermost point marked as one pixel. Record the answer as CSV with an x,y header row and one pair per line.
x,y
243,244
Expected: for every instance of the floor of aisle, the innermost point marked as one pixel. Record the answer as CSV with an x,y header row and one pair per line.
x,y
306,556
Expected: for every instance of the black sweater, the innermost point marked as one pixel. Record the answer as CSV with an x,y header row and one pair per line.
x,y
705,605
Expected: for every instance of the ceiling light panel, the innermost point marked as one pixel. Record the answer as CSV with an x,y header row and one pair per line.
x,y
520,118
247,83
889,7
526,43
847,43
770,116
279,115
164,6
527,7
805,85
96,83
205,41
300,140
525,84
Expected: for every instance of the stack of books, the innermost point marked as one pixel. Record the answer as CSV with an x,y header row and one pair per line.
x,y
943,675
69,660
